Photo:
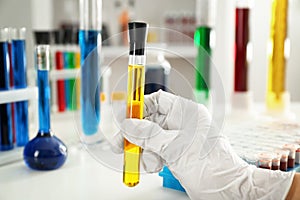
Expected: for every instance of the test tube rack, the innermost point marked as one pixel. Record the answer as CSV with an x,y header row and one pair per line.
x,y
10,96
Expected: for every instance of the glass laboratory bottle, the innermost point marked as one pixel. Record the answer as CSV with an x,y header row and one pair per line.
x,y
204,41
277,49
241,45
6,134
135,97
45,151
18,50
157,72
90,43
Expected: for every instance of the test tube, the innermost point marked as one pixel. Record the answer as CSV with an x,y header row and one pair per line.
x,y
283,159
276,95
77,66
6,134
242,44
297,158
276,161
265,160
11,82
292,154
135,97
20,81
204,40
70,60
59,63
90,43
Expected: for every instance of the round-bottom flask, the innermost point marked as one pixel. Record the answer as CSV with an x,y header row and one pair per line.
x,y
45,151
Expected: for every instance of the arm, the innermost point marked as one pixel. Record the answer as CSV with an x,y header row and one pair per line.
x,y
180,134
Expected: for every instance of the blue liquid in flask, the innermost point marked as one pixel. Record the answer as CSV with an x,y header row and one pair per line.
x,y
90,89
45,151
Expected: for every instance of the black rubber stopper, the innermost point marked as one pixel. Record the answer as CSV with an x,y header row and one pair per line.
x,y
42,37
137,37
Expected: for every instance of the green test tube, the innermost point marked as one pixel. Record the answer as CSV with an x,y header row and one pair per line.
x,y
203,39
71,82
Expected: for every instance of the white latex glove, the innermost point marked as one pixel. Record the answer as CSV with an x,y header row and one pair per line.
x,y
178,133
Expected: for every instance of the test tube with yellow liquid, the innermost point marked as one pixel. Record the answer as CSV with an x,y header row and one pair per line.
x,y
135,97
277,97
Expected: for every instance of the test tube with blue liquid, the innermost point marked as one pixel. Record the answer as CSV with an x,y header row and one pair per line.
x,y
90,41
19,72
45,151
6,134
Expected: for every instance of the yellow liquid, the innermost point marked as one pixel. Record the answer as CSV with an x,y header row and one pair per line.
x,y
276,74
135,103
77,66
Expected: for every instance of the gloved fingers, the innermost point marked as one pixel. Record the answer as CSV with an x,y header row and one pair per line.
x,y
158,102
169,111
159,106
151,161
148,135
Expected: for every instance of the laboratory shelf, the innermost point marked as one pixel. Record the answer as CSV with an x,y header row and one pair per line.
x,y
64,74
8,96
15,95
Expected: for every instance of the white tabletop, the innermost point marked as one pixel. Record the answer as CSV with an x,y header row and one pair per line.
x,y
81,177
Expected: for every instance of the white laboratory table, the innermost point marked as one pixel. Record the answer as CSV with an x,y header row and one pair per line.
x,y
81,177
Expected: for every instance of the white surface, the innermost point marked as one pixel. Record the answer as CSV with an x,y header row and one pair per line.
x,y
81,177
242,100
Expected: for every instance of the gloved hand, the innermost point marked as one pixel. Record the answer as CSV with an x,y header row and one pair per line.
x,y
178,133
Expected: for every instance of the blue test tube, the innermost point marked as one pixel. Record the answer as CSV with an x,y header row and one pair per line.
x,y
89,40
6,134
19,72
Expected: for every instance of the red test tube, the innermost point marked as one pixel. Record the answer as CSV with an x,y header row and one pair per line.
x,y
291,158
283,159
265,160
276,161
61,99
241,46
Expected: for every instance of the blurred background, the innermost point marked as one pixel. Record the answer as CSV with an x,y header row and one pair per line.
x,y
39,15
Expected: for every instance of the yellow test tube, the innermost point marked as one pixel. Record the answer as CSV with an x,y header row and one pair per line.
x,y
277,60
135,98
